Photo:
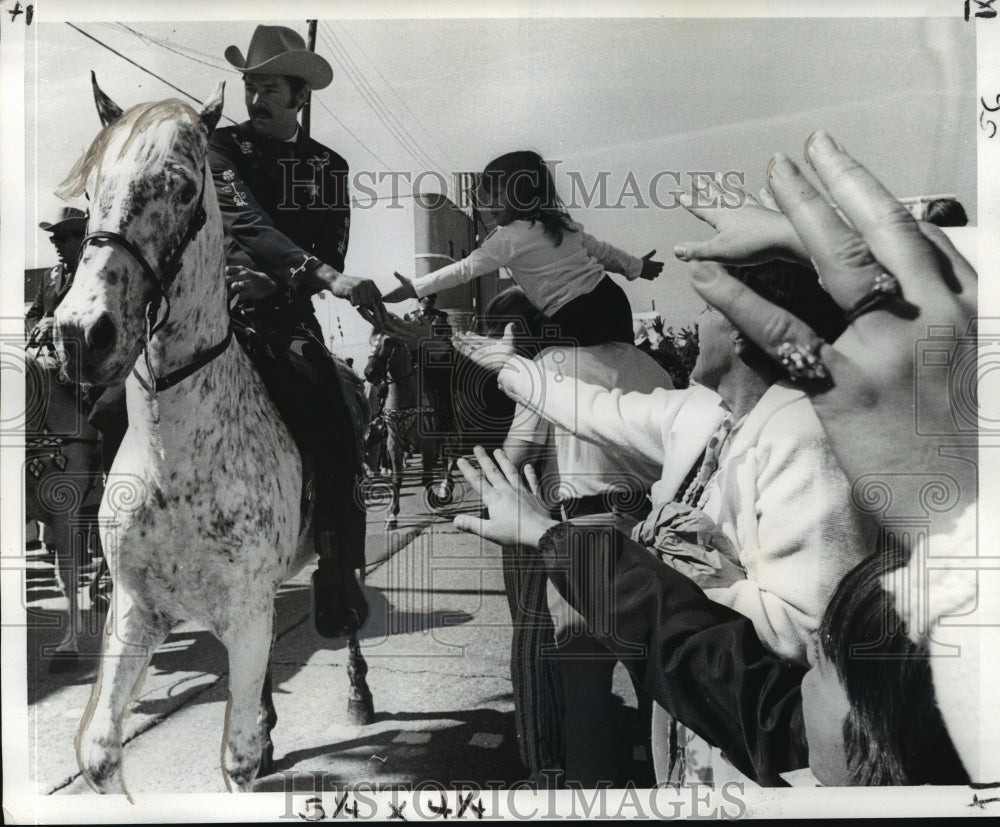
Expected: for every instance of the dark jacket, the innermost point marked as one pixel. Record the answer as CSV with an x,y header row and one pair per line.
x,y
699,660
286,209
52,288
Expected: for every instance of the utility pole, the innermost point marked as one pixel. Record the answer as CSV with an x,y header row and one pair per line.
x,y
311,46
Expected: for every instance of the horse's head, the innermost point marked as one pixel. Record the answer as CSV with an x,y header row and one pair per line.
x,y
377,369
149,187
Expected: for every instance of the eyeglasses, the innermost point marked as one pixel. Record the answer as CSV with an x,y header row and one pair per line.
x,y
60,237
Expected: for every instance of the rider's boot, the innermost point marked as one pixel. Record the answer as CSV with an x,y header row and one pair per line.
x,y
339,605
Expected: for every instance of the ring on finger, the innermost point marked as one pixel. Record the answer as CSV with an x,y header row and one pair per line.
x,y
802,362
885,287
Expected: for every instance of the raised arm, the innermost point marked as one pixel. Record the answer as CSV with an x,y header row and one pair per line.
x,y
496,251
262,246
613,259
647,425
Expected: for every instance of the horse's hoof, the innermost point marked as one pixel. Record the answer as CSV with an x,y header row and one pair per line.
x,y
361,711
64,662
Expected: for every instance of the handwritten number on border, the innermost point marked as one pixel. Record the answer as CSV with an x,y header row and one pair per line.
x,y
984,9
988,124
28,13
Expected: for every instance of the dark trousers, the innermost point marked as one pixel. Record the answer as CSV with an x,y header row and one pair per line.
x,y
600,316
302,380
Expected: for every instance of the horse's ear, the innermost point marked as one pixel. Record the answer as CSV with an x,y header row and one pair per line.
x,y
107,109
212,111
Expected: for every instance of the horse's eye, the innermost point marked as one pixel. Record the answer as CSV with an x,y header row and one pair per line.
x,y
186,193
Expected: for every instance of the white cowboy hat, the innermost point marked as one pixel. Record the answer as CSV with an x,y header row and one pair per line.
x,y
278,50
70,218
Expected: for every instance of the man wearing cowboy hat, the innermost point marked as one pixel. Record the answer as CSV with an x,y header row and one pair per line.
x,y
65,233
286,211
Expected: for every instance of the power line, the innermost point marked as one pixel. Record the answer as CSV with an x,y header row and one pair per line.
x,y
355,82
422,156
389,86
382,112
176,49
143,68
348,131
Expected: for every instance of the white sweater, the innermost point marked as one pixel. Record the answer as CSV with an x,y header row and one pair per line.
x,y
550,276
779,495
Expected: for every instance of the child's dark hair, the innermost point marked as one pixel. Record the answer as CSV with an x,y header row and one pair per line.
x,y
530,194
894,733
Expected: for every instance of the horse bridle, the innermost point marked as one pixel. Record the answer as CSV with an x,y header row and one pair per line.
x,y
162,284
395,344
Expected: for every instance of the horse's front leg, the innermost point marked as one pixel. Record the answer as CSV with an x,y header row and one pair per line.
x,y
248,640
428,460
131,635
360,704
68,579
394,446
267,719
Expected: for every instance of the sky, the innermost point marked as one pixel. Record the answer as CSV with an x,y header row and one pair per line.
x,y
646,100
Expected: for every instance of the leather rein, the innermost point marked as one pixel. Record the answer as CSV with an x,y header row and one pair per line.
x,y
162,284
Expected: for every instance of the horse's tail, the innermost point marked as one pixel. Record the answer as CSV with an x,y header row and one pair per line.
x,y
357,399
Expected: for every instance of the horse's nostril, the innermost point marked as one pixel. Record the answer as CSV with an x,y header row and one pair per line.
x,y
101,335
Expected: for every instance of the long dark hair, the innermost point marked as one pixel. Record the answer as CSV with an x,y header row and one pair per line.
x,y
527,187
894,733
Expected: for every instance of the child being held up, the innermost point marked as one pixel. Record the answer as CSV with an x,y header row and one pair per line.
x,y
560,268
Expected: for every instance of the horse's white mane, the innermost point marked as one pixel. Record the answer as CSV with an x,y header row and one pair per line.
x,y
133,123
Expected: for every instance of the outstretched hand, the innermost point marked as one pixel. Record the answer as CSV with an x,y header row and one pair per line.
x,y
517,516
889,412
747,233
401,293
490,354
650,267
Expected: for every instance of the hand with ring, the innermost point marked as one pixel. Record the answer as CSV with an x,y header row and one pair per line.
x,y
886,410
249,284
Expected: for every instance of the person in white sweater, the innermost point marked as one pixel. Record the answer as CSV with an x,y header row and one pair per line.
x,y
560,267
755,531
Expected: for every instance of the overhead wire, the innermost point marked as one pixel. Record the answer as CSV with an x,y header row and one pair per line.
x,y
376,100
347,129
176,48
401,99
356,82
395,128
140,66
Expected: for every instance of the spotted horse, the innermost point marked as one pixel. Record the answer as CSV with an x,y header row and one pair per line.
x,y
214,525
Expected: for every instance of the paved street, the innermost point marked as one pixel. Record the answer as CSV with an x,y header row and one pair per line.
x,y
437,646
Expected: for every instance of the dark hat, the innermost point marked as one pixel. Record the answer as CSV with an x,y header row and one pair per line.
x,y
278,50
796,288
70,219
